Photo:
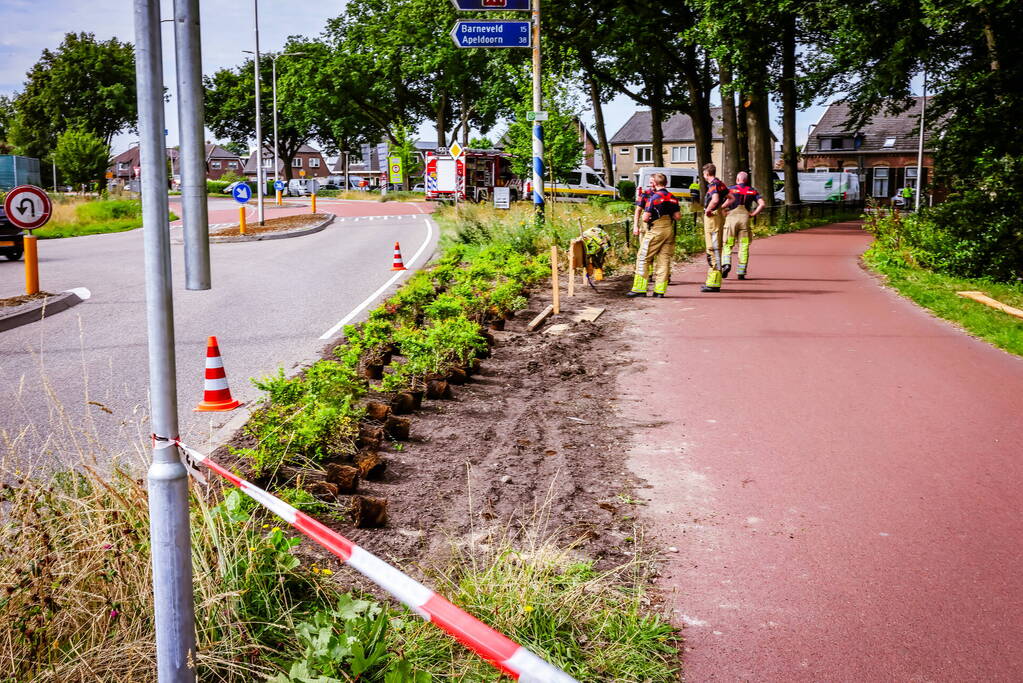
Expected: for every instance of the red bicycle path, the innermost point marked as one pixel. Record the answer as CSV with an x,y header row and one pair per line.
x,y
834,474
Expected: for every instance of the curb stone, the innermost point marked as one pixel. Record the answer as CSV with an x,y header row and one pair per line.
x,y
37,310
267,236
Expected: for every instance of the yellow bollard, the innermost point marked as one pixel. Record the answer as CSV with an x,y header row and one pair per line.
x,y
314,202
279,200
31,265
241,220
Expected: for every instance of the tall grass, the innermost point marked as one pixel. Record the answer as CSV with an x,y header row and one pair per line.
x,y
74,217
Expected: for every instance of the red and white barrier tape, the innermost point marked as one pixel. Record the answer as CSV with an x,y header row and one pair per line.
x,y
496,648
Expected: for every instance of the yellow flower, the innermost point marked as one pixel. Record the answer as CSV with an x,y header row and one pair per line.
x,y
327,572
527,609
276,528
252,548
315,570
266,526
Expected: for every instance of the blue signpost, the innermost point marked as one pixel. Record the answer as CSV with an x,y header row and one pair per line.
x,y
242,193
279,185
492,34
484,5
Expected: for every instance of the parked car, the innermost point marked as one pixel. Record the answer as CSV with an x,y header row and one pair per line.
x,y
679,179
230,188
419,187
12,244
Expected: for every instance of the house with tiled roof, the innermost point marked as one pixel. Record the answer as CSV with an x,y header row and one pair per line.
x,y
220,161
632,148
307,163
883,152
126,166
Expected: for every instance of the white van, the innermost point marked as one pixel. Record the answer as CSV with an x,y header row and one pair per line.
x,y
581,184
301,187
679,179
823,187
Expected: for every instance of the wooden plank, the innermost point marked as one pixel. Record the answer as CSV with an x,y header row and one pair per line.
x,y
571,270
983,298
588,315
538,320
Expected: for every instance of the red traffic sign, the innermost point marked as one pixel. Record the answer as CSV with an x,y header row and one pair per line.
x,y
28,207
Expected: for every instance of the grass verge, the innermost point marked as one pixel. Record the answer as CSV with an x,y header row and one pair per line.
x,y
77,217
937,293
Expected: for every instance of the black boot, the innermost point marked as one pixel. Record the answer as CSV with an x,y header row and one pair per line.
x,y
726,269
635,294
708,288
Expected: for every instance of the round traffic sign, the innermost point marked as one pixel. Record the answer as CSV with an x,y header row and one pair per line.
x,y
278,185
241,193
28,207
302,173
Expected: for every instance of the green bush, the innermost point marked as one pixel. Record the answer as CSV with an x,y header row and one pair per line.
x,y
217,186
627,190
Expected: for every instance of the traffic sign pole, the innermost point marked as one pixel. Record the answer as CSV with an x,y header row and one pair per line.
x,y
31,264
196,228
260,175
538,204
28,207
170,542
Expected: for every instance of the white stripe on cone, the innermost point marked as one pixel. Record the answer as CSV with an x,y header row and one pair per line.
x,y
216,384
214,362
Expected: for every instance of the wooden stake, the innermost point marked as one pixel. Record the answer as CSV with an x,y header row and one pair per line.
x,y
555,284
571,269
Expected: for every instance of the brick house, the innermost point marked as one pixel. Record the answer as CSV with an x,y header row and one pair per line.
x,y
631,146
306,159
126,166
883,152
220,161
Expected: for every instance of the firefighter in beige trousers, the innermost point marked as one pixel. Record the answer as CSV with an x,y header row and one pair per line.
x,y
658,242
713,226
744,203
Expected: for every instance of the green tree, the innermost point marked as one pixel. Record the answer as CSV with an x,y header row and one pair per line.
x,y
7,114
84,84
562,148
82,156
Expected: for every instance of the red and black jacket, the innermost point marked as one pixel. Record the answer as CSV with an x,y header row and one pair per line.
x,y
662,203
715,186
743,195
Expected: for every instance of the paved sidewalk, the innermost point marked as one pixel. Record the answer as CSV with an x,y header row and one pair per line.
x,y
840,473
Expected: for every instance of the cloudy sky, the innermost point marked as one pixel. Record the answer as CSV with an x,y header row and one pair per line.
x,y
30,26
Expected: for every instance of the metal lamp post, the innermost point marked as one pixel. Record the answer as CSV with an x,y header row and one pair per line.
x,y
273,60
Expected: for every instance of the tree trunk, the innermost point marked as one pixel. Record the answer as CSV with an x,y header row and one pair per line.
x,y
788,116
989,37
743,135
729,128
758,121
657,135
598,122
442,124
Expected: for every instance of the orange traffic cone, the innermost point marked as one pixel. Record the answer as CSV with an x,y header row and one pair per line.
x,y
216,394
398,263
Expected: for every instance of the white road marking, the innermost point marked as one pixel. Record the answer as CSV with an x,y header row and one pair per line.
x,y
394,278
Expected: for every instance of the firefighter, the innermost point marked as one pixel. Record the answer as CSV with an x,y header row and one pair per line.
x,y
642,195
744,203
713,226
658,242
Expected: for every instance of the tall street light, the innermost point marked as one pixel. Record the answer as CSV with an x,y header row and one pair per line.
x,y
273,59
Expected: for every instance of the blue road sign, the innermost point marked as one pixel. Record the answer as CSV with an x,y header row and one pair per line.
x,y
483,5
279,185
492,34
242,193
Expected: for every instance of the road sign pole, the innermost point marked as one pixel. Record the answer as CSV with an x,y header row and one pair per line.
x,y
260,176
537,125
192,159
31,264
170,543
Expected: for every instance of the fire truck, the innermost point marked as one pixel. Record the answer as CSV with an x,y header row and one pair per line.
x,y
470,177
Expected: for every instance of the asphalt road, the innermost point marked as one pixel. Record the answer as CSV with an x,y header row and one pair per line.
x,y
838,471
75,384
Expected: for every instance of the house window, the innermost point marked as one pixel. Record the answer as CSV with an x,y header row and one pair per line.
x,y
314,162
889,142
625,150
911,176
644,155
296,162
822,169
215,165
880,188
232,164
683,154
268,162
122,165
